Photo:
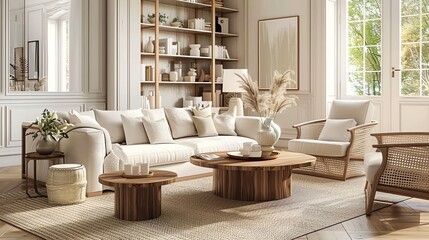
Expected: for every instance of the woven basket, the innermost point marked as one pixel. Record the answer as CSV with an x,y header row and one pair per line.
x,y
66,184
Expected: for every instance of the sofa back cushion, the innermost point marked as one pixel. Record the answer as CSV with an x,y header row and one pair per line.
x,y
76,117
359,110
180,121
112,122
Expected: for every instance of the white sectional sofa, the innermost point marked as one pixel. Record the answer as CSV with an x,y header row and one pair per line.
x,y
103,141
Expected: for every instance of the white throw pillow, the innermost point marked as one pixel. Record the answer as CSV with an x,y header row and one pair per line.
x,y
336,130
205,126
75,117
134,130
154,114
202,112
180,121
112,122
157,131
225,122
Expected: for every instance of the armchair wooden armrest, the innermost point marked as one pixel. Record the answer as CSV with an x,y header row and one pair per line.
x,y
401,145
401,137
299,126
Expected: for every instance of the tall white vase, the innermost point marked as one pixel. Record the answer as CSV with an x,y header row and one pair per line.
x,y
267,138
150,48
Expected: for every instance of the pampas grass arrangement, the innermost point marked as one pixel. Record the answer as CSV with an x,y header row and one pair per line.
x,y
272,102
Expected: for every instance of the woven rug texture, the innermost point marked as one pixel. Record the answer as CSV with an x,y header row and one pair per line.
x,y
191,211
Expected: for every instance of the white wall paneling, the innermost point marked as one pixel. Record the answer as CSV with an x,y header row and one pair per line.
x,y
16,107
123,54
408,118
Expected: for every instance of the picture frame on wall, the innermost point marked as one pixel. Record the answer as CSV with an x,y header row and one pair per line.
x,y
278,49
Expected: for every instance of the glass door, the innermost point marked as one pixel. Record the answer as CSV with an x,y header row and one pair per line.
x,y
388,60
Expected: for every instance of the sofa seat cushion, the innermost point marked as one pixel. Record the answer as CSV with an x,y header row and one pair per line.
x,y
154,154
318,147
214,144
371,164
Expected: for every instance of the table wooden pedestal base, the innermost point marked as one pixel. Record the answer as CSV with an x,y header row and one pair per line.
x,y
252,185
136,203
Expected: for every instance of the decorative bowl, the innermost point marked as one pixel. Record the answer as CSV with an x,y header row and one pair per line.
x,y
176,24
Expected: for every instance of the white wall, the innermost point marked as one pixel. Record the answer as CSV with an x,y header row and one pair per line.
x,y
308,106
16,107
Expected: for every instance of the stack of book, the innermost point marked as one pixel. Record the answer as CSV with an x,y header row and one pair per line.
x,y
197,23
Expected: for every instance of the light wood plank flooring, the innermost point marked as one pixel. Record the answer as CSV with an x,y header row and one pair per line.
x,y
405,220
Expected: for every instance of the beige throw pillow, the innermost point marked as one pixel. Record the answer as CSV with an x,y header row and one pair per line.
x,y
225,122
202,112
154,114
157,131
180,121
336,130
205,126
75,118
134,130
112,122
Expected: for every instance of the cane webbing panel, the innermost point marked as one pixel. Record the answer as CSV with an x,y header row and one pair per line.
x,y
407,168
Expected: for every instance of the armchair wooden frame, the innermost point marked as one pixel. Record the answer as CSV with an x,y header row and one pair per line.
x,y
404,169
339,168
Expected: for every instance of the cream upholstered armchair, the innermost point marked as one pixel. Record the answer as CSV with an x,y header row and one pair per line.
x,y
336,141
400,166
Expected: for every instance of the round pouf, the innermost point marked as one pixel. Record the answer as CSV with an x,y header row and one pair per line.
x,y
66,184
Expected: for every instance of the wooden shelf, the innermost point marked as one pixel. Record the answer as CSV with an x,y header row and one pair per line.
x,y
181,83
183,3
186,30
188,57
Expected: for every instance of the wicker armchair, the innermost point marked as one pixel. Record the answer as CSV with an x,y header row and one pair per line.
x,y
336,160
401,166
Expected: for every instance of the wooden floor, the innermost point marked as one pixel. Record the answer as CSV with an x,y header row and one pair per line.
x,y
406,220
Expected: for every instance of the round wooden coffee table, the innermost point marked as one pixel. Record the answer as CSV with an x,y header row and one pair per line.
x,y
254,180
137,198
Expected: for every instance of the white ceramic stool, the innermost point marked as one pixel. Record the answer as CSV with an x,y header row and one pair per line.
x,y
66,184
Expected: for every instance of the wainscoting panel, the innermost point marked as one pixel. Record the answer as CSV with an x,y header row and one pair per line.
x,y
16,114
378,116
414,117
2,139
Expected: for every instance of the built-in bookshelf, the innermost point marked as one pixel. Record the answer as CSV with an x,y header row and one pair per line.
x,y
163,62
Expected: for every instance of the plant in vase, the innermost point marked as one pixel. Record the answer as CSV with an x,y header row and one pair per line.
x,y
268,105
176,22
162,18
51,129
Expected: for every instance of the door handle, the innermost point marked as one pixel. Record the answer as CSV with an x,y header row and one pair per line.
x,y
395,70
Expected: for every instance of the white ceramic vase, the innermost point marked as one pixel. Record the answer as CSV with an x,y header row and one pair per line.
x,y
267,138
150,48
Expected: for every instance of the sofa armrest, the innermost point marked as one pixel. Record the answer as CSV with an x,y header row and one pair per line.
x,y
86,146
244,123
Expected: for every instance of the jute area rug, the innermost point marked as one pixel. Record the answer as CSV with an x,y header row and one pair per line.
x,y
191,211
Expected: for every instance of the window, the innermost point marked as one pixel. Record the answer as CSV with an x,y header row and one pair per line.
x,y
364,48
415,47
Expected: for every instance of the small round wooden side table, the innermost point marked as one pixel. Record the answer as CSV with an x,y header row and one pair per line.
x,y
137,199
55,157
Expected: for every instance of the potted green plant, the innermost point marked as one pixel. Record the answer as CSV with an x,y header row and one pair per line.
x,y
51,129
162,18
176,22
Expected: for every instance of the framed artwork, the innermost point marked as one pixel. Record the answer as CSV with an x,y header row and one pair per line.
x,y
33,60
278,49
